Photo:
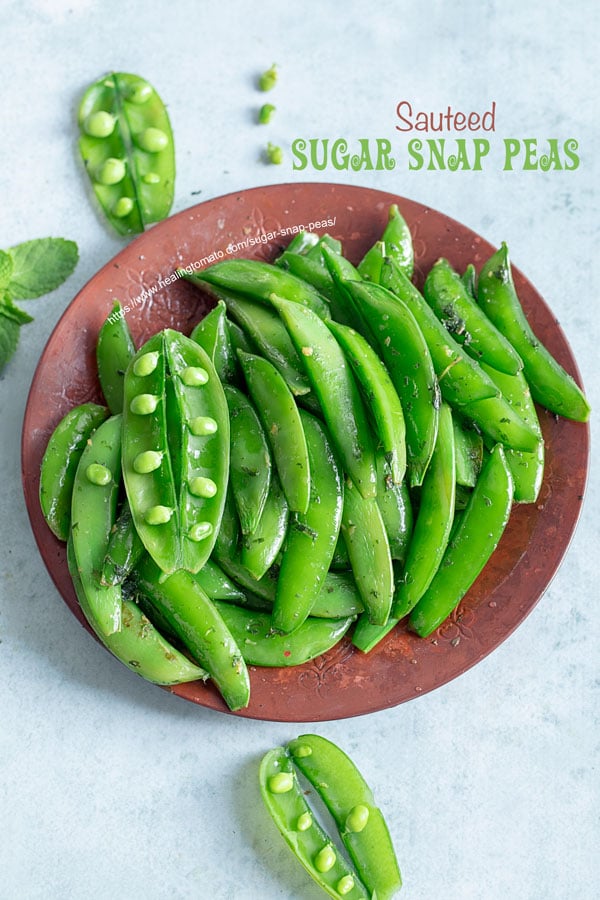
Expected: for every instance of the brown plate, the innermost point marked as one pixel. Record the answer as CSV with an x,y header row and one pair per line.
x,y
343,682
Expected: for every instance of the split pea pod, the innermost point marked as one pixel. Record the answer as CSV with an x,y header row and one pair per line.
x,y
137,644
282,424
312,536
380,396
460,378
60,462
366,538
350,801
433,522
93,513
527,469
466,321
258,280
250,471
297,824
550,385
471,545
194,618
336,390
114,350
126,144
261,646
212,334
408,361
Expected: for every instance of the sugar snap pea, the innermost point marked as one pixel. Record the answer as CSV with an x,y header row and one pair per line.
x,y
193,617
408,361
93,513
281,421
114,350
212,334
126,144
433,522
250,472
350,801
369,552
296,821
60,462
216,584
261,546
370,265
550,385
468,445
380,396
471,545
137,644
124,549
469,280
460,379
501,423
460,314
527,469
258,280
312,536
336,391
261,646
395,507
397,240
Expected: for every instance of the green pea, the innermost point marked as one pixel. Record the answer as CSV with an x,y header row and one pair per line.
x,y
194,376
268,79
274,154
302,750
325,859
201,425
357,818
97,474
145,364
200,531
153,140
202,487
144,404
265,113
158,515
151,178
141,93
122,207
100,124
111,171
304,822
281,783
345,885
147,462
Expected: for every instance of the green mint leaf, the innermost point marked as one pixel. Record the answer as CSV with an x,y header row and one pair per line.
x,y
9,338
8,309
6,267
40,266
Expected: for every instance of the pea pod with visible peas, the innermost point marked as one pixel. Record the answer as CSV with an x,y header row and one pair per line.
x,y
550,385
60,461
114,350
310,844
126,144
471,545
350,801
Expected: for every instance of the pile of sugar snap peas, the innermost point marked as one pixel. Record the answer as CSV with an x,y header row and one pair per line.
x,y
328,447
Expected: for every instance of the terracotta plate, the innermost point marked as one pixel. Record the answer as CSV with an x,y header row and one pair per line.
x,y
253,223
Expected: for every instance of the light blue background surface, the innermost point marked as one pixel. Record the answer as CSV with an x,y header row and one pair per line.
x,y
110,788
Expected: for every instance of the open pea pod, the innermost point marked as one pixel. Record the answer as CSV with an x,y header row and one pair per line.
x,y
310,844
350,801
126,144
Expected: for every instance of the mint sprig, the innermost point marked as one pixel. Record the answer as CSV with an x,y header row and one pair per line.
x,y
29,270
